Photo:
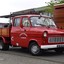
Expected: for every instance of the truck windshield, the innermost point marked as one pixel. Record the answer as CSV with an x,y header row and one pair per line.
x,y
48,22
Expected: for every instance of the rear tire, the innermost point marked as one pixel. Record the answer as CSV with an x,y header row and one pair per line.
x,y
34,49
3,46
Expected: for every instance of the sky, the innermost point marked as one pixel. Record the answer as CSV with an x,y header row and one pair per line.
x,y
8,6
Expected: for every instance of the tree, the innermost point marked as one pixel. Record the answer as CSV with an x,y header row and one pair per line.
x,y
61,1
51,5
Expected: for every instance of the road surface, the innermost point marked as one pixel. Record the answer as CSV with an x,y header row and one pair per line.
x,y
18,56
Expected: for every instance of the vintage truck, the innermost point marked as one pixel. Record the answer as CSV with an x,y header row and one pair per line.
x,y
32,31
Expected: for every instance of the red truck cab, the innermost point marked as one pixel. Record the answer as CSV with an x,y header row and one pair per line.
x,y
35,32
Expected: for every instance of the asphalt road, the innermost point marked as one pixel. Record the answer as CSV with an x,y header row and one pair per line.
x,y
18,56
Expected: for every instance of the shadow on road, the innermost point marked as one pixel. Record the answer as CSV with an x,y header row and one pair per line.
x,y
44,53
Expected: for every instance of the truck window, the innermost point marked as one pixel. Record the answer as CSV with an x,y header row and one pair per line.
x,y
17,22
48,22
25,22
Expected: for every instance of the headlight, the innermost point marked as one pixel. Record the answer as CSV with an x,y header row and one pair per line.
x,y
45,34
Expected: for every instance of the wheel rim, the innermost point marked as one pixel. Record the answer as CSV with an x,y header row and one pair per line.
x,y
35,49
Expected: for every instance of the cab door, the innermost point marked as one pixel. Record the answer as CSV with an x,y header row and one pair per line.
x,y
25,31
15,31
19,32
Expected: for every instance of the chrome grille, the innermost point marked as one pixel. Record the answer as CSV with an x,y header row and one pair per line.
x,y
55,39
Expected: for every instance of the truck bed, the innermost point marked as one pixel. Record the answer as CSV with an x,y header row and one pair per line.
x,y
5,32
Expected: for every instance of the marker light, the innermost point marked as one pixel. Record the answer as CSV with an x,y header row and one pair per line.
x,y
45,34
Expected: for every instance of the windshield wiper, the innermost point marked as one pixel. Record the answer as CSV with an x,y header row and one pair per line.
x,y
41,24
51,26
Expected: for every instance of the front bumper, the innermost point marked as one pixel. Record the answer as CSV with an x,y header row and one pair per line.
x,y
52,46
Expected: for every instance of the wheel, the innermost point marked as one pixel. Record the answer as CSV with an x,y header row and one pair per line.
x,y
59,50
34,49
3,46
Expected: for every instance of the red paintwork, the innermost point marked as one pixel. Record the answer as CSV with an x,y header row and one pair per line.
x,y
33,33
24,35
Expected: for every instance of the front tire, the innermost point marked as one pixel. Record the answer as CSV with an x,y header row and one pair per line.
x,y
3,46
34,49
